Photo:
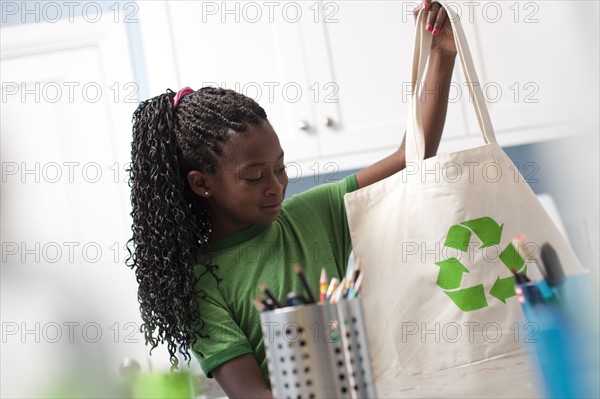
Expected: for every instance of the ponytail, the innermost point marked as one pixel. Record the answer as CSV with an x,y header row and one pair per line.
x,y
171,224
164,238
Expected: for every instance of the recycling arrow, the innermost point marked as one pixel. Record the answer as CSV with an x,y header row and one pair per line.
x,y
486,228
511,258
458,238
488,231
450,275
451,270
469,299
503,288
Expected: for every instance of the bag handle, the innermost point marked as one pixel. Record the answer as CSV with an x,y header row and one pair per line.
x,y
415,137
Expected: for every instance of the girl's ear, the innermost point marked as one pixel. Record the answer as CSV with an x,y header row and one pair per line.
x,y
198,183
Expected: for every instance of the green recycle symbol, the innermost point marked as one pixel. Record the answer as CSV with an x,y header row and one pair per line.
x,y
451,270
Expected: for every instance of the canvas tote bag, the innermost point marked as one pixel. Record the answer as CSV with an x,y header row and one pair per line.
x,y
434,242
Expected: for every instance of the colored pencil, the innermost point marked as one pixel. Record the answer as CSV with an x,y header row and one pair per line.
x,y
266,302
355,289
300,273
267,291
258,305
339,291
323,286
519,242
331,289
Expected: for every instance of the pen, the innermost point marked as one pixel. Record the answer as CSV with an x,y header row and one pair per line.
x,y
527,291
535,271
555,272
294,299
356,270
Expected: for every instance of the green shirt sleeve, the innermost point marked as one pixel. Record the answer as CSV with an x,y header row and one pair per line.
x,y
225,339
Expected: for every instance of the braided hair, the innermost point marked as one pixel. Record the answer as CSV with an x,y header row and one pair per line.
x,y
171,224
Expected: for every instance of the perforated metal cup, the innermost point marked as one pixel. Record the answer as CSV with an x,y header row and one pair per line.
x,y
318,350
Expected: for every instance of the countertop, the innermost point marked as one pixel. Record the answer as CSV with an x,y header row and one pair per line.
x,y
509,376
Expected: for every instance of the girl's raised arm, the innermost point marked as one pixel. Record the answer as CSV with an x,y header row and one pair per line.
x,y
433,111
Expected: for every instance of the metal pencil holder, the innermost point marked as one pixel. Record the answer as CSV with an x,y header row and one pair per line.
x,y
318,350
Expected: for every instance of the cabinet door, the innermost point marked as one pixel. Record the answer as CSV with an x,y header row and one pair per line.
x,y
251,47
536,60
371,45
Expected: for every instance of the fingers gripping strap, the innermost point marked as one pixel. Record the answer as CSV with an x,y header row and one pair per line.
x,y
415,138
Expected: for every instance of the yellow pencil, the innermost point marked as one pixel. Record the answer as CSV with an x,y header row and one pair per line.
x,y
323,286
331,289
339,291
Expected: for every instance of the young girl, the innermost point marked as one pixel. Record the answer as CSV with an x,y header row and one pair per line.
x,y
207,183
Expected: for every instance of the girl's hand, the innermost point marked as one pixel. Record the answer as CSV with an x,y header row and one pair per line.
x,y
436,21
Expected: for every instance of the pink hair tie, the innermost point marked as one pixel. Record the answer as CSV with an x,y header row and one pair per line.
x,y
180,94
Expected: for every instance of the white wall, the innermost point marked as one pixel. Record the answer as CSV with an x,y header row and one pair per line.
x,y
68,302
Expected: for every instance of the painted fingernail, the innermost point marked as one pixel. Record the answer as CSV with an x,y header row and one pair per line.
x,y
429,27
425,5
435,31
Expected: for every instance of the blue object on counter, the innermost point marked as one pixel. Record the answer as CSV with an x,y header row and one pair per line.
x,y
567,341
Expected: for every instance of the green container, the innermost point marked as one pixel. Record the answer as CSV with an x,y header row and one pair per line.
x,y
163,386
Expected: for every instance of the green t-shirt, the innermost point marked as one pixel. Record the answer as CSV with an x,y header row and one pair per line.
x,y
312,229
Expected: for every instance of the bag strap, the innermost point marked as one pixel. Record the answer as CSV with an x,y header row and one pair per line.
x,y
415,138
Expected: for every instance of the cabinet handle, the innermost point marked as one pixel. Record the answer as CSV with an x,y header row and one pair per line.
x,y
303,125
329,122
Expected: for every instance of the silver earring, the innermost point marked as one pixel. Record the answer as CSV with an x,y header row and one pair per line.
x,y
206,193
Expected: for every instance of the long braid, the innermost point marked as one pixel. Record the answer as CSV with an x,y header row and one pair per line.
x,y
171,223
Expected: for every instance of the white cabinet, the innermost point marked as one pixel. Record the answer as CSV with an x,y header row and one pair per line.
x,y
323,80
217,44
333,76
537,63
370,47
